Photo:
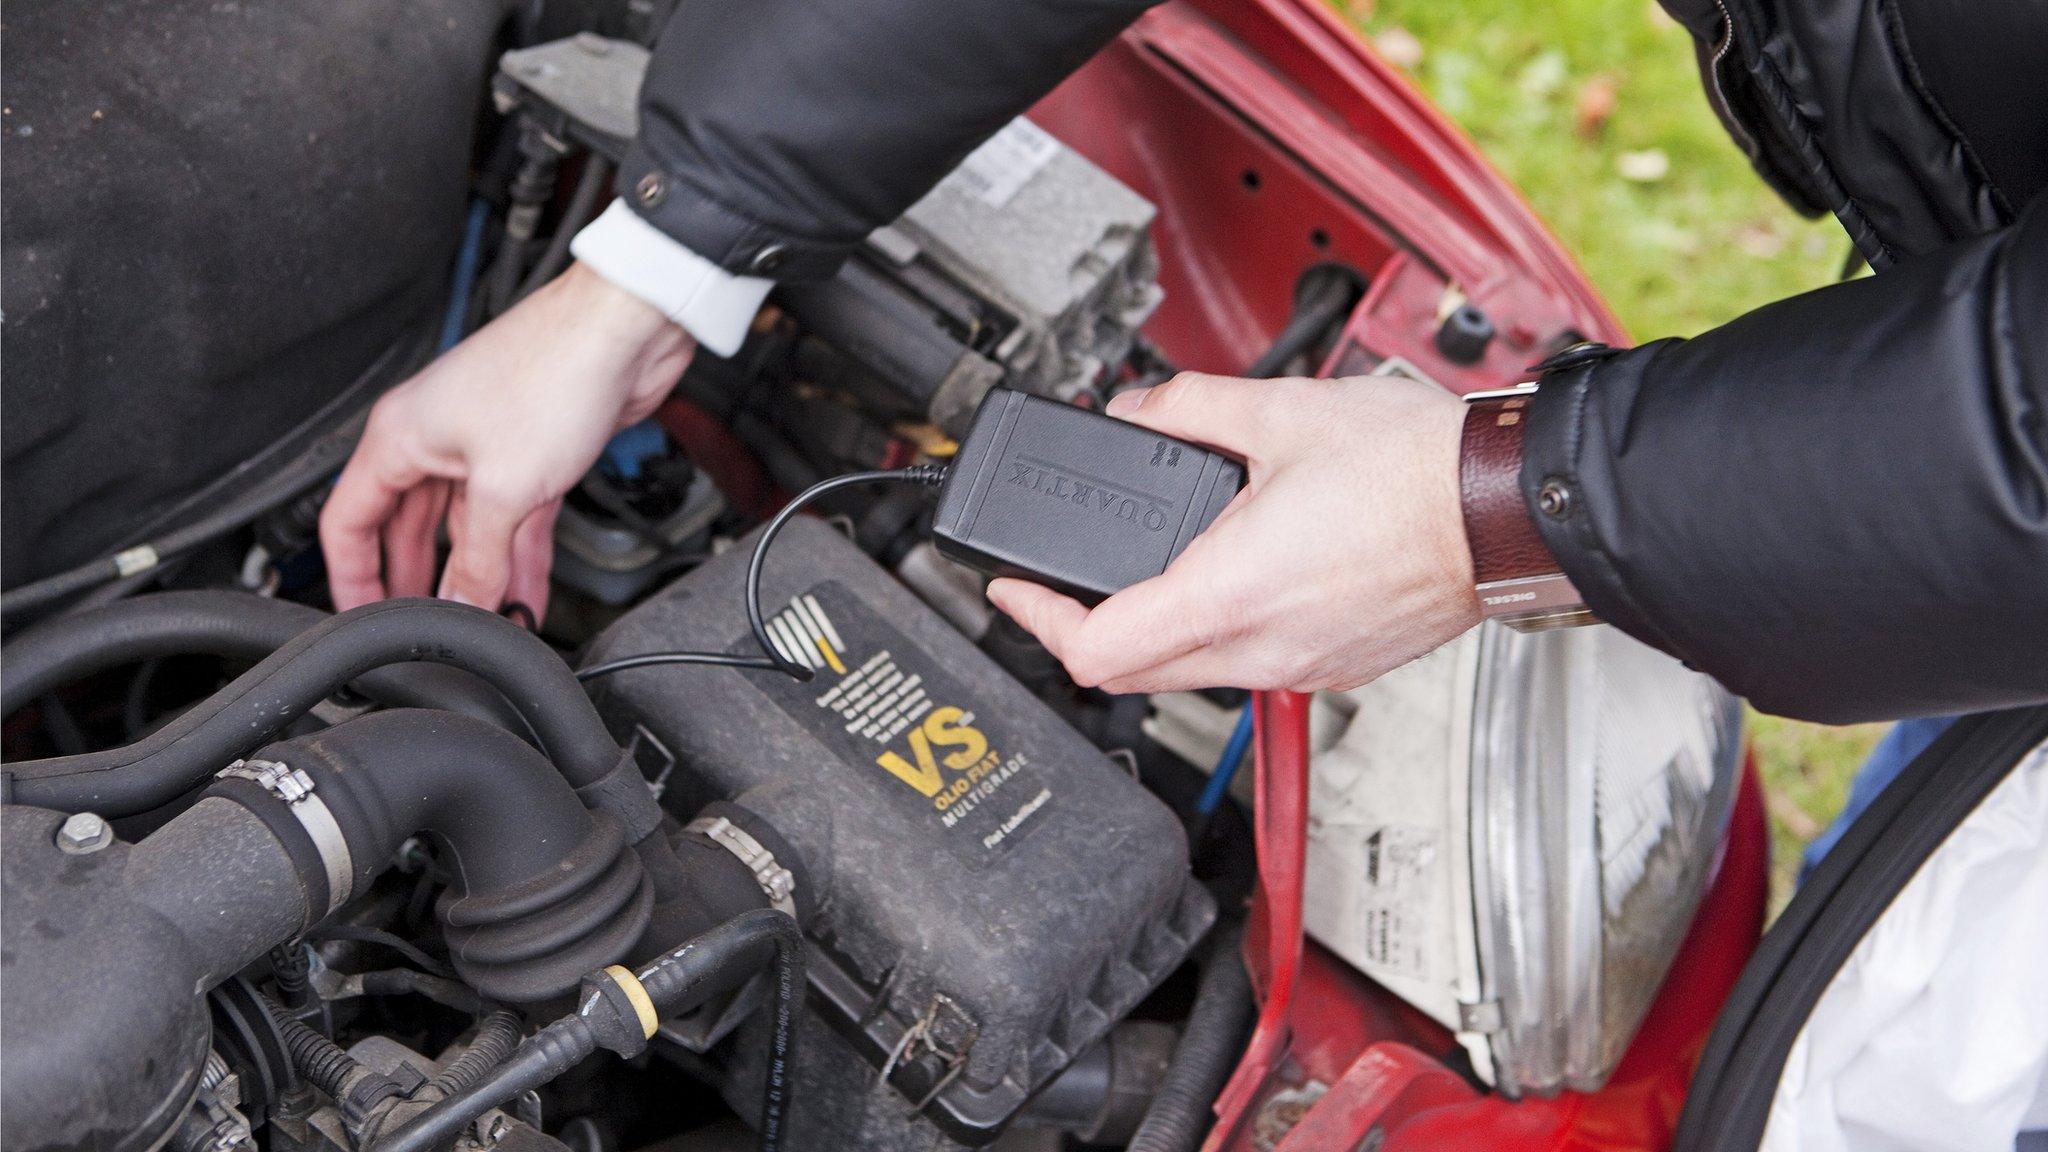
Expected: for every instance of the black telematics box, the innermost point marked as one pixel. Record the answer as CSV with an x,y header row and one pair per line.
x,y
1078,501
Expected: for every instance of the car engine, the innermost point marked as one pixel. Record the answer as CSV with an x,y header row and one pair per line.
x,y
398,879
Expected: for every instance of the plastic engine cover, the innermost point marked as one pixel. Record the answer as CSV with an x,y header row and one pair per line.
x,y
994,892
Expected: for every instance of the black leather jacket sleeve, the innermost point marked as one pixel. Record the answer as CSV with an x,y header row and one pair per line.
x,y
1836,504
737,161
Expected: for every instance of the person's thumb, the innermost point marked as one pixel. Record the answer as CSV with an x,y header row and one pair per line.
x,y
1218,411
481,524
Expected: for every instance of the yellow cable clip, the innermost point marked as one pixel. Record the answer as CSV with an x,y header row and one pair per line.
x,y
643,1004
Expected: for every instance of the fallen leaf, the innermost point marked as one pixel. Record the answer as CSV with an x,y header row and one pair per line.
x,y
1594,106
1645,167
1360,11
1399,47
1759,240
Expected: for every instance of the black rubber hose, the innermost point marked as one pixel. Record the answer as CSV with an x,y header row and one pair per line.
x,y
262,701
720,959
233,625
1325,296
407,982
1209,1047
322,1062
592,184
544,889
497,1037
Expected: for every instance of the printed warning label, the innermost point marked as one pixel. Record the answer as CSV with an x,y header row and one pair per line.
x,y
1395,901
999,169
896,717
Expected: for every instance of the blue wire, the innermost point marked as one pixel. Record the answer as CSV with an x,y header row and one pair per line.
x,y
466,262
1239,743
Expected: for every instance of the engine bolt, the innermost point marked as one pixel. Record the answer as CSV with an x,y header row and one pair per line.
x,y
84,832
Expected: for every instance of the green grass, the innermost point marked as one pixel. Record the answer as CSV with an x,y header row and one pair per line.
x,y
1699,246
1674,254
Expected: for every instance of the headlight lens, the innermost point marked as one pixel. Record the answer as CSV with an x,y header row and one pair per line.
x,y
1602,775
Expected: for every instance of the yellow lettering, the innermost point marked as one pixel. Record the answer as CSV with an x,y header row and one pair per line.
x,y
925,776
943,728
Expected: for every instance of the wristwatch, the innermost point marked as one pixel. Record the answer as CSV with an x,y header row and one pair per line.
x,y
1519,581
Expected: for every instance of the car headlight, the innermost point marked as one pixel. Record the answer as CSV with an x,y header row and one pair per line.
x,y
1513,834
1603,773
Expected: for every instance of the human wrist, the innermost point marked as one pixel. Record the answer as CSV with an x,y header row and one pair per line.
x,y
1516,576
715,306
616,314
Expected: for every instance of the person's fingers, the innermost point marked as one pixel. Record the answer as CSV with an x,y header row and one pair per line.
x,y
1225,665
1044,613
1141,626
481,523
352,523
533,556
1214,410
409,539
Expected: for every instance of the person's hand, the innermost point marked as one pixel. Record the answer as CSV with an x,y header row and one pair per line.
x,y
491,436
1343,558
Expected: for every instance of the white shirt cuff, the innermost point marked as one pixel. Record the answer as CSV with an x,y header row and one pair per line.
x,y
713,305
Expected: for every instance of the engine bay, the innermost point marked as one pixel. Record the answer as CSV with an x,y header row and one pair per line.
x,y
285,880
411,877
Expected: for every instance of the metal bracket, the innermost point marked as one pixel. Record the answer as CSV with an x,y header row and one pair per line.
x,y
1483,1017
644,735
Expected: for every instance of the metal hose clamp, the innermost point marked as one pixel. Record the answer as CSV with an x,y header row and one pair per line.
x,y
776,882
295,789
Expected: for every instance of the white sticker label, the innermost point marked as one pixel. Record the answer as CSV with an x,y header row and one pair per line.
x,y
1395,901
999,169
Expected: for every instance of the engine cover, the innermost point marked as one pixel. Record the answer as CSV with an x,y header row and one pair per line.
x,y
994,892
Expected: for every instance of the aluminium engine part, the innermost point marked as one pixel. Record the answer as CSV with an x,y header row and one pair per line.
x,y
1052,254
1028,266
995,892
1513,833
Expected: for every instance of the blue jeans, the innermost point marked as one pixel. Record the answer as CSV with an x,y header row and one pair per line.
x,y
1907,739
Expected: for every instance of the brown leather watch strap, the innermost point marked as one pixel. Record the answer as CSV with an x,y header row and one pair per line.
x,y
1518,580
1504,540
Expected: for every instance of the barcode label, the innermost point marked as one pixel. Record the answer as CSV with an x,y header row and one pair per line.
x,y
999,169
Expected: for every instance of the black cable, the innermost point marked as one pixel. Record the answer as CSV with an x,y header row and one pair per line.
x,y
497,1037
772,659
1324,297
1209,1046
675,982
446,992
582,206
362,934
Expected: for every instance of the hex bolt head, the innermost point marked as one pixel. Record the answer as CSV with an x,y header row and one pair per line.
x,y
84,832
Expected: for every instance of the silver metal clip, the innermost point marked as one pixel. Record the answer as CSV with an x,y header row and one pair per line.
x,y
776,882
295,789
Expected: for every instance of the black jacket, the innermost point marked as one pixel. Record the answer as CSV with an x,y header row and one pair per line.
x,y
1837,504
